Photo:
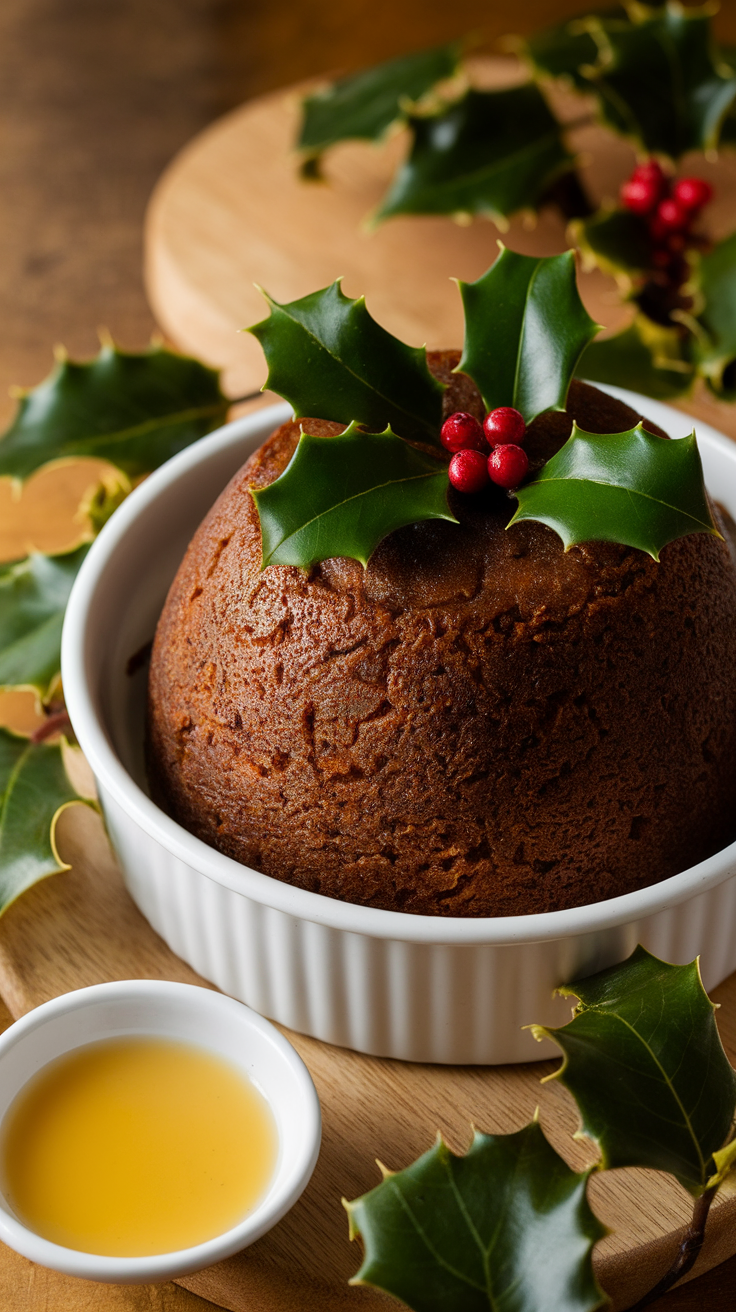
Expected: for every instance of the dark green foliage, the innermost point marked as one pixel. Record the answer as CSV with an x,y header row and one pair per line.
x,y
366,104
644,1062
340,495
525,330
633,488
135,410
331,360
506,1228
491,153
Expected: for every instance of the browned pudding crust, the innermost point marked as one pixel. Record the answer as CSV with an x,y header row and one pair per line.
x,y
479,724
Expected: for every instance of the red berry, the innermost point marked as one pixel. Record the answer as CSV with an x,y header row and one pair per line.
x,y
671,216
507,465
462,431
640,195
504,425
692,193
469,471
650,171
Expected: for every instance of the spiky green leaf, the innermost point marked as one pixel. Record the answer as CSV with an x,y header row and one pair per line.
x,y
563,51
646,357
34,790
660,81
616,240
506,1228
491,153
634,488
33,596
645,1064
331,360
716,344
525,329
135,410
365,105
339,496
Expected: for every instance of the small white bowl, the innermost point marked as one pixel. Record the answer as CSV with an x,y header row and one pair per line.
x,y
190,1015
421,988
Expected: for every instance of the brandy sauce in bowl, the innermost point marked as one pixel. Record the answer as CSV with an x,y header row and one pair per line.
x,y
148,1129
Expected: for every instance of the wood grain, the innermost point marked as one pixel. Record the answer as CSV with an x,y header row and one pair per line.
x,y
81,927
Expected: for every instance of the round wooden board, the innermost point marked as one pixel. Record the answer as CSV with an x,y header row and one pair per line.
x,y
228,213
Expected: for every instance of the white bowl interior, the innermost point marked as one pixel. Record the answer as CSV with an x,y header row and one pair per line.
x,y
191,1015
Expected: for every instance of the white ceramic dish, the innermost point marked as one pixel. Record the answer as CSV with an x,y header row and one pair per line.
x,y
191,1015
421,988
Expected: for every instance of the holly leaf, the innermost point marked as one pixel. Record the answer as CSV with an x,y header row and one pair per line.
x,y
525,329
646,357
617,241
34,790
634,488
644,1062
506,1228
491,153
33,597
339,496
563,51
366,105
135,410
716,345
660,81
331,360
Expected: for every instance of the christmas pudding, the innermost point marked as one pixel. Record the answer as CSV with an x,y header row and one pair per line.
x,y
476,721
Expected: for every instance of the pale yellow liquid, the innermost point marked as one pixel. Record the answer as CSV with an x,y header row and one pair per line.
x,y
135,1146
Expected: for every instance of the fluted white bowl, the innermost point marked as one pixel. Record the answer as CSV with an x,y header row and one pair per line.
x,y
421,988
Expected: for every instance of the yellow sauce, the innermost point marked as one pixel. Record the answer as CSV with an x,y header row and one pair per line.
x,y
135,1146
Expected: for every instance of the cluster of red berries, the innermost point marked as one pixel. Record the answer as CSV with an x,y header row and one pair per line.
x,y
472,467
670,209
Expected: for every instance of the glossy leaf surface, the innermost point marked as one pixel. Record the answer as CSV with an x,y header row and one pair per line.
x,y
506,1228
33,597
645,1064
490,153
717,352
365,105
34,790
525,329
633,488
645,357
331,360
617,241
563,51
660,81
133,410
340,495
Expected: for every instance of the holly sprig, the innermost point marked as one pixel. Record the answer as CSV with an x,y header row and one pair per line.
x,y
525,331
134,411
508,1226
653,74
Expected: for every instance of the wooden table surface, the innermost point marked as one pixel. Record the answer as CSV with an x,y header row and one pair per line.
x,y
94,100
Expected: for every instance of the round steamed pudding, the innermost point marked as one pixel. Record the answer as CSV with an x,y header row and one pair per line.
x,y
479,724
